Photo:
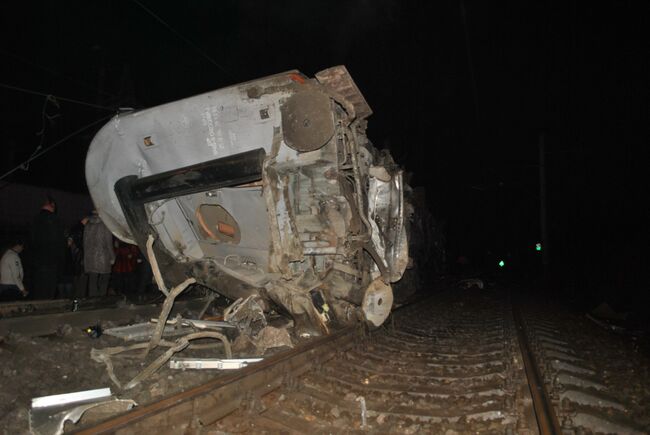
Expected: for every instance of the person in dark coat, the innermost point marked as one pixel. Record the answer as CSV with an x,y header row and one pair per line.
x,y
98,255
144,274
47,248
65,285
75,245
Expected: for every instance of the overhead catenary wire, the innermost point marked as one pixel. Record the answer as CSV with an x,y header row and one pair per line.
x,y
187,41
54,72
58,98
54,145
44,117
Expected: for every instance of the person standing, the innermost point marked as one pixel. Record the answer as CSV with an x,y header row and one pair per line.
x,y
126,257
98,255
47,249
144,274
65,289
75,245
11,274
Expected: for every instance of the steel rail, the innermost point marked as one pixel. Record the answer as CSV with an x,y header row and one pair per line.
x,y
547,420
213,400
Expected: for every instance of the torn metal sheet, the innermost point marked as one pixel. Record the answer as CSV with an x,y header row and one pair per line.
x,y
49,414
69,398
207,324
269,188
199,324
105,355
211,363
144,331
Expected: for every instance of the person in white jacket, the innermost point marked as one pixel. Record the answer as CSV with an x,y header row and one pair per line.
x,y
11,273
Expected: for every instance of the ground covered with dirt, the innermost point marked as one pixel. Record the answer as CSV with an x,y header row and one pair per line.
x,y
61,363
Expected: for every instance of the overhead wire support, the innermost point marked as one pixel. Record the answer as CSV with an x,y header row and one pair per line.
x,y
54,145
43,94
187,41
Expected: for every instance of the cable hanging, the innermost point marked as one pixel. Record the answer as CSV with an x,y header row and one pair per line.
x,y
54,145
187,41
43,94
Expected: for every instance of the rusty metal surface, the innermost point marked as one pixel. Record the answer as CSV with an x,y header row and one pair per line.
x,y
546,417
338,80
307,120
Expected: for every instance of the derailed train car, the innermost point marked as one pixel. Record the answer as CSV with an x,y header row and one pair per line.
x,y
267,188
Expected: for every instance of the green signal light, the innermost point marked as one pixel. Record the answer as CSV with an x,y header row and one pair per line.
x,y
538,246
502,263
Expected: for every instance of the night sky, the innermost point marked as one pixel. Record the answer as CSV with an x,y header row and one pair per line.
x,y
461,92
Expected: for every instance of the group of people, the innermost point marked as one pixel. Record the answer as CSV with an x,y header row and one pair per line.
x,y
81,262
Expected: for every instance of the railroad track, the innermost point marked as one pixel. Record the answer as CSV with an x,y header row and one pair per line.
x,y
460,362
596,381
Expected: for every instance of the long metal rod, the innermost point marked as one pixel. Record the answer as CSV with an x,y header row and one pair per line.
x,y
546,418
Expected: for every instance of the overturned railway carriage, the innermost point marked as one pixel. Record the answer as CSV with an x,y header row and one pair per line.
x,y
267,188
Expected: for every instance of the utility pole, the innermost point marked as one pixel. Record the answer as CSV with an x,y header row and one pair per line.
x,y
542,205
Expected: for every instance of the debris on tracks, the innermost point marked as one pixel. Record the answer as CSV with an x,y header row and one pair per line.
x,y
105,355
471,282
211,363
271,337
605,311
49,414
173,328
94,331
144,331
50,363
247,314
200,324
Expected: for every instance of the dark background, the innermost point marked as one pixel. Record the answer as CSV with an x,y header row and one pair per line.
x,y
461,90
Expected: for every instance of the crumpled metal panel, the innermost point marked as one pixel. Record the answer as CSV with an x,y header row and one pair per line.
x,y
324,220
386,212
338,80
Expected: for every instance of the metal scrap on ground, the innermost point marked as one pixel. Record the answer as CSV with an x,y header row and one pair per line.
x,y
49,414
105,355
211,363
